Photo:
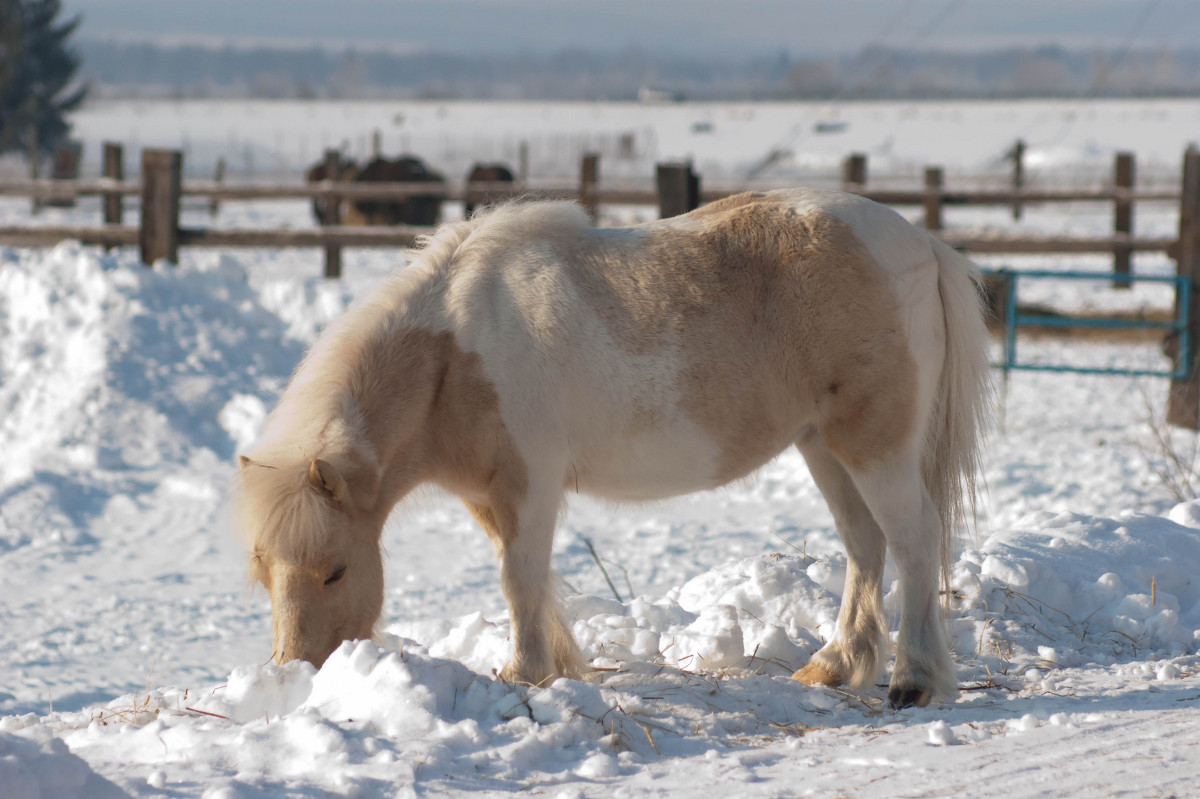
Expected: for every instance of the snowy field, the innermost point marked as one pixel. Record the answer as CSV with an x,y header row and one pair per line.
x,y
1068,140
134,659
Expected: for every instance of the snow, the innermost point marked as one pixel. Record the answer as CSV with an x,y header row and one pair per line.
x,y
134,658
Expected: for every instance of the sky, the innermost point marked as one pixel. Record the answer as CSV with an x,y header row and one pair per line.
x,y
733,27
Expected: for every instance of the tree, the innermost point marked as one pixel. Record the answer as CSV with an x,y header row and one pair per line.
x,y
37,70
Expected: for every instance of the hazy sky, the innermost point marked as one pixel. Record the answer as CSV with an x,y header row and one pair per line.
x,y
735,27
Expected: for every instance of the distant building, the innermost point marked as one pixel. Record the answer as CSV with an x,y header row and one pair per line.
x,y
648,94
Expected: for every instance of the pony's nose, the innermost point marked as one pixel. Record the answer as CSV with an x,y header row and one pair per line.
x,y
290,649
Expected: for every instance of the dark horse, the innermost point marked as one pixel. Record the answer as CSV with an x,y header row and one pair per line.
x,y
346,170
416,209
484,173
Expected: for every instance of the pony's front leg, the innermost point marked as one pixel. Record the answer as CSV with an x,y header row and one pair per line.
x,y
543,645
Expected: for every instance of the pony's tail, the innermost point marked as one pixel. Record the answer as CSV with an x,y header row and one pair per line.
x,y
950,461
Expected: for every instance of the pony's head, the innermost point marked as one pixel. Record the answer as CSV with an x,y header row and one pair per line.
x,y
313,536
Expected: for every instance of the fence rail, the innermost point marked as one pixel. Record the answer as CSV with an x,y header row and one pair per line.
x,y
324,189
933,197
403,236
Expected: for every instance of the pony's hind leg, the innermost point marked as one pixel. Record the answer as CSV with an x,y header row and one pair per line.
x,y
895,492
543,646
854,654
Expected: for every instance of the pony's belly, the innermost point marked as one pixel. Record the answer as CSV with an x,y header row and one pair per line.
x,y
648,466
656,466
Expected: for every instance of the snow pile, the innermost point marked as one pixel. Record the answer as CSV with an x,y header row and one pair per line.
x,y
132,368
112,375
404,717
764,613
1103,589
51,353
35,764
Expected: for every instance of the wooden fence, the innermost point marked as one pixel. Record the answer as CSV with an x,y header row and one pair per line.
x,y
677,190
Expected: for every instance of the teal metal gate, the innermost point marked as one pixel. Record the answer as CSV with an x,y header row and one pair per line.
x,y
1014,319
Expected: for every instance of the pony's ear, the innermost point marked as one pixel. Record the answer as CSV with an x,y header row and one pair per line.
x,y
245,462
325,480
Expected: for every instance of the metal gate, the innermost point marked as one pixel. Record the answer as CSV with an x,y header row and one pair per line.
x,y
1014,319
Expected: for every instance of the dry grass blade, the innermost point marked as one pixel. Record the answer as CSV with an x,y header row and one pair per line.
x,y
650,738
206,713
798,730
604,571
1172,464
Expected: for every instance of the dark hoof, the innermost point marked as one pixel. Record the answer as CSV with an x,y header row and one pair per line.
x,y
900,698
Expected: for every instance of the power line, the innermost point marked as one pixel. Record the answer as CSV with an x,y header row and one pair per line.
x,y
1124,50
783,148
895,20
1109,66
931,28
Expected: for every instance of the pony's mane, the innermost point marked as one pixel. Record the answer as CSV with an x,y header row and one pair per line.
x,y
520,222
489,229
413,295
276,511
321,388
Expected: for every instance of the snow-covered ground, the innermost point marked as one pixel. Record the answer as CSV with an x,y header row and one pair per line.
x,y
134,659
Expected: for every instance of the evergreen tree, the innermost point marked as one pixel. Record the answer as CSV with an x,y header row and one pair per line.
x,y
36,71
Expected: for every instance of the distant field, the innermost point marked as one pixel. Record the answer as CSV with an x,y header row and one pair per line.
x,y
1067,140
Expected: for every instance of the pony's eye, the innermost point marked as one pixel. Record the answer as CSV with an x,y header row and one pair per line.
x,y
337,575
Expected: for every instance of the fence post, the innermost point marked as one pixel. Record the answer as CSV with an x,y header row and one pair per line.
x,y
854,172
523,164
35,166
214,205
1123,177
678,189
114,169
1183,399
161,183
65,166
1018,176
933,198
332,215
589,177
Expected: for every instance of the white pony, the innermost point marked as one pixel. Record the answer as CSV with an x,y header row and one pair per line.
x,y
525,355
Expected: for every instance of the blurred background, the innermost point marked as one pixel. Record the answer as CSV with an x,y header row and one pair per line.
x,y
766,89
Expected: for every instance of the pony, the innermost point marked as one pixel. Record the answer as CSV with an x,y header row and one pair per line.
x,y
524,355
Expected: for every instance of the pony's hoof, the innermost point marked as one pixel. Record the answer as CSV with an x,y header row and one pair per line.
x,y
513,676
900,698
816,674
